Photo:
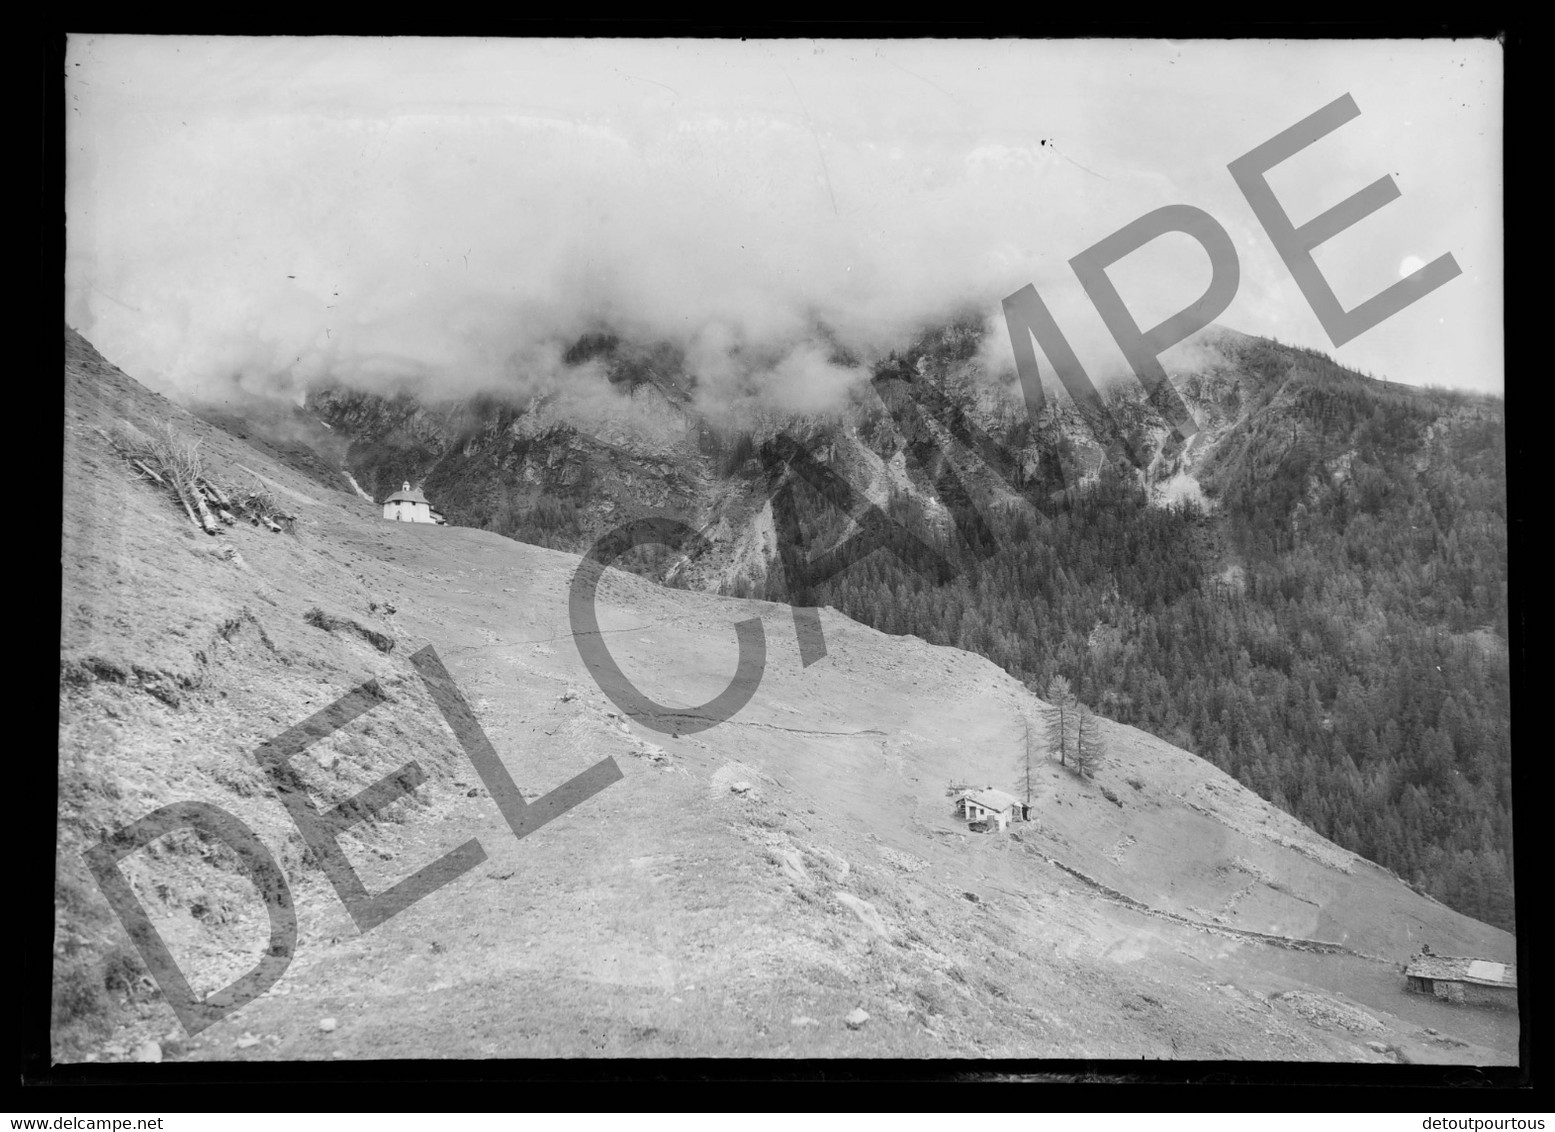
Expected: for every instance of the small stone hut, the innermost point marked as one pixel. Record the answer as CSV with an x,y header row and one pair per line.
x,y
991,805
1475,982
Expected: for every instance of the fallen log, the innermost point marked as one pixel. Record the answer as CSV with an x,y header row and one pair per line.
x,y
274,526
184,499
207,524
143,467
221,496
226,516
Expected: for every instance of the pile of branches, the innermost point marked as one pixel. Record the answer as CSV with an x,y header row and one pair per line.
x,y
175,465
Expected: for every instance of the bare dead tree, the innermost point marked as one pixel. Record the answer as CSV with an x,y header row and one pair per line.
x,y
1028,759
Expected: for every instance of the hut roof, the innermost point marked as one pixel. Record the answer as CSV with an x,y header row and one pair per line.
x,y
991,799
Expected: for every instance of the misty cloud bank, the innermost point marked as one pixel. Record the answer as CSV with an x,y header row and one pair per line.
x,y
455,214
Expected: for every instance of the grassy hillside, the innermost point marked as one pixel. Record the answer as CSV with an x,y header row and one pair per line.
x,y
739,892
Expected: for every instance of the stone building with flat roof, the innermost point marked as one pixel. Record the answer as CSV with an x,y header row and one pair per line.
x,y
1476,982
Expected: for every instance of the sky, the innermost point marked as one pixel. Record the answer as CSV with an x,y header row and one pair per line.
x,y
277,212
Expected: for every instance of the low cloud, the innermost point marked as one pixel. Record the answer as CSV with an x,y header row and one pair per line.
x,y
274,214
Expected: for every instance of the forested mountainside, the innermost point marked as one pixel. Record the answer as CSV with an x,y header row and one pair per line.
x,y
1334,634
1311,594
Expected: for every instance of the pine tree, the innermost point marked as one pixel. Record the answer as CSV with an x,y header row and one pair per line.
x,y
1090,748
1059,716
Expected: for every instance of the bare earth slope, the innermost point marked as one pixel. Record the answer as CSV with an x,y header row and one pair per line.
x,y
669,915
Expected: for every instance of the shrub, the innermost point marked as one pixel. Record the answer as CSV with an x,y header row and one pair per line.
x,y
78,997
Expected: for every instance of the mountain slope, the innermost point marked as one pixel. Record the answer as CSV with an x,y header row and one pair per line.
x,y
670,914
1312,592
